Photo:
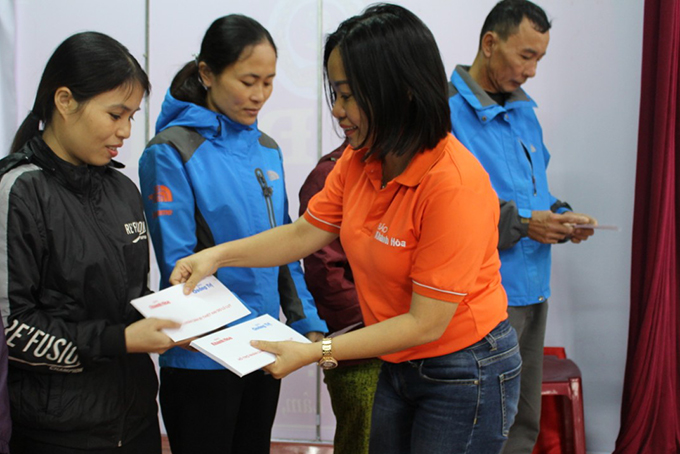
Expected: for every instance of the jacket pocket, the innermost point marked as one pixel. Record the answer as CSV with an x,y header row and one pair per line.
x,y
35,398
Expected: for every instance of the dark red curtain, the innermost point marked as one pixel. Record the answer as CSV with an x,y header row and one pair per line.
x,y
650,413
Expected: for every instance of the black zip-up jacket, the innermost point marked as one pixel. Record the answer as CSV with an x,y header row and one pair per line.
x,y
74,253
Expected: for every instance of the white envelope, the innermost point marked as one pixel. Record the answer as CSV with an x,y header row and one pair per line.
x,y
231,346
210,306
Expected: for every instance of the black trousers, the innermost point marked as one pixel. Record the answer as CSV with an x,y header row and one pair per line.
x,y
147,442
215,411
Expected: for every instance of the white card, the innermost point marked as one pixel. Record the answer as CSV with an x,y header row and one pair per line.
x,y
231,346
596,227
210,306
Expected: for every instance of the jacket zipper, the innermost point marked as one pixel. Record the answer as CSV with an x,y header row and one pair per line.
x,y
106,245
531,165
121,269
267,192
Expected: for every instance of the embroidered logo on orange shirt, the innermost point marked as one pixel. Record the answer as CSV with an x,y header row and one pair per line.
x,y
381,235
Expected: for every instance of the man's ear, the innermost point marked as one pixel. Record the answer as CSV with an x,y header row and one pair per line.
x,y
64,102
205,74
489,40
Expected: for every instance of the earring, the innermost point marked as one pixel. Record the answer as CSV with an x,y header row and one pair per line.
x,y
200,81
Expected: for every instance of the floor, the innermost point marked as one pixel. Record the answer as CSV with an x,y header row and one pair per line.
x,y
296,448
281,448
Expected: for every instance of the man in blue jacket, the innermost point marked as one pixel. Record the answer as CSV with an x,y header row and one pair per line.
x,y
494,118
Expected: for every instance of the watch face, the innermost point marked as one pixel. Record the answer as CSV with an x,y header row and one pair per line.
x,y
328,363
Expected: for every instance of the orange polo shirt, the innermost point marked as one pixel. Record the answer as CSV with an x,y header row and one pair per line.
x,y
433,230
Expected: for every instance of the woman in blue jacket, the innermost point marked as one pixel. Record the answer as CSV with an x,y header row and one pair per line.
x,y
210,176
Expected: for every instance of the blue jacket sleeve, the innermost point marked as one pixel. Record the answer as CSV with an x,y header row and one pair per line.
x,y
169,206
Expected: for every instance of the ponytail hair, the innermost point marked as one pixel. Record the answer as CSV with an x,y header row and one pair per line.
x,y
29,128
88,64
223,43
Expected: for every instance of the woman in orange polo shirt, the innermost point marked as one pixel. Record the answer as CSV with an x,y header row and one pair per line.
x,y
418,218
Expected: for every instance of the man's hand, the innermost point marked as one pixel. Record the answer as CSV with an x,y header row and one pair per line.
x,y
549,228
582,234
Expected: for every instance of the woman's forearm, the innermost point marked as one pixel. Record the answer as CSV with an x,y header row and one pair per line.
x,y
427,320
275,247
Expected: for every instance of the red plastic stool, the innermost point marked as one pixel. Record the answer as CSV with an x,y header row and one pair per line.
x,y
562,423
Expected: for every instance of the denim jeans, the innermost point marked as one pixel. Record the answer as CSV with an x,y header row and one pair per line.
x,y
463,402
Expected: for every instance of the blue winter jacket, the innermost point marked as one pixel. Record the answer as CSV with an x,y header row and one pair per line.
x,y
205,180
508,141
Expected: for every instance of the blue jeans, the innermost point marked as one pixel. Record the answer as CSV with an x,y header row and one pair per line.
x,y
463,402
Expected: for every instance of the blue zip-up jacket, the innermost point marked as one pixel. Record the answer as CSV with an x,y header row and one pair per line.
x,y
205,180
508,141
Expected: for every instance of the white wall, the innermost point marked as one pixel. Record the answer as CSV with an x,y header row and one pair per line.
x,y
41,25
587,89
7,81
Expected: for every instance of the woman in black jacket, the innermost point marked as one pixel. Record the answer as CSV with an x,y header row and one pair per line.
x,y
5,421
75,253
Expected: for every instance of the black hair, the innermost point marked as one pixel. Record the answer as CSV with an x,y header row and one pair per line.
x,y
397,78
88,64
505,17
223,43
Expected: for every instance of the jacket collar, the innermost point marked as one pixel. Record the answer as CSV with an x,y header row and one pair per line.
x,y
76,178
208,123
485,107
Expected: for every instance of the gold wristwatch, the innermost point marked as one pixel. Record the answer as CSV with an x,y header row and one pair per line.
x,y
327,361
